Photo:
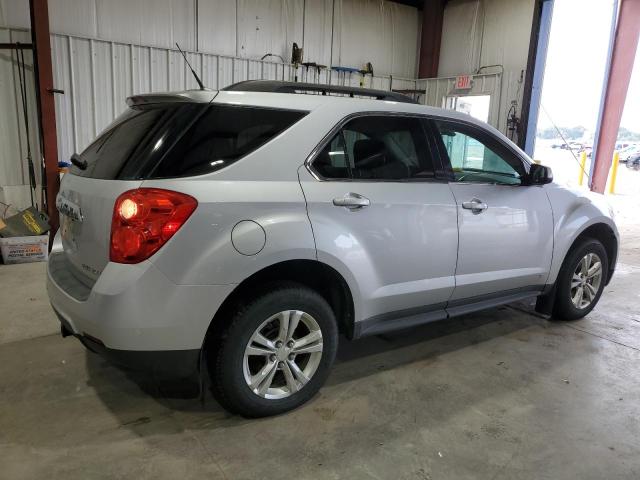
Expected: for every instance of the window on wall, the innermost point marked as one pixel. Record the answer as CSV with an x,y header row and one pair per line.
x,y
377,148
477,159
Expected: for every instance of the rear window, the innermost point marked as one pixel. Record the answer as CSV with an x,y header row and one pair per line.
x,y
178,140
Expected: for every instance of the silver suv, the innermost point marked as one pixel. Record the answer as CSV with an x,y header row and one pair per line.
x,y
236,233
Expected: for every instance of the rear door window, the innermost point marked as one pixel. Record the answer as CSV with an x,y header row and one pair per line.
x,y
177,140
377,148
222,135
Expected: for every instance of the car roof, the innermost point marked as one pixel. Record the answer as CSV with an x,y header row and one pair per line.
x,y
276,86
309,102
296,96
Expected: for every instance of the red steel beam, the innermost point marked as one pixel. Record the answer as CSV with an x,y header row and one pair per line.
x,y
46,105
622,56
431,36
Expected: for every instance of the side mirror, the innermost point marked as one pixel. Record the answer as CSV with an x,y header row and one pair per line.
x,y
540,175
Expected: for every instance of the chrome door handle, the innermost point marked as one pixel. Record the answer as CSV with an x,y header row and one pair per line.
x,y
475,205
352,201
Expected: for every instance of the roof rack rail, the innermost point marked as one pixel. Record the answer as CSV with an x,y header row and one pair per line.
x,y
275,86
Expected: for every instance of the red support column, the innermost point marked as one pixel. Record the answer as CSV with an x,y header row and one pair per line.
x,y
46,105
623,54
432,15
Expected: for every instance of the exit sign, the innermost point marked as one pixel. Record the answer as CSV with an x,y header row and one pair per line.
x,y
463,82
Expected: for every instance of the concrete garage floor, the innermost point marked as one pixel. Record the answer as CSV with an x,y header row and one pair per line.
x,y
502,394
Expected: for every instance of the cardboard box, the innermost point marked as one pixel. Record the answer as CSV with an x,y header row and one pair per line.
x,y
25,249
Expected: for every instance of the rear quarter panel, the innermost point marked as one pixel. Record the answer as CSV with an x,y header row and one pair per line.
x,y
202,253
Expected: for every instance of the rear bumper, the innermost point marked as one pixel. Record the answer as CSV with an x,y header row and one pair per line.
x,y
136,308
166,364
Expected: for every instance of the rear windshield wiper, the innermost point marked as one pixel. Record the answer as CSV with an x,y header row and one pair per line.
x,y
78,162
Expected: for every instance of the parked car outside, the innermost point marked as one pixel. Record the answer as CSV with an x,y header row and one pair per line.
x,y
233,234
627,152
633,162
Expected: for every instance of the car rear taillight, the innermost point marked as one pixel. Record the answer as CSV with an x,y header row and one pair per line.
x,y
144,220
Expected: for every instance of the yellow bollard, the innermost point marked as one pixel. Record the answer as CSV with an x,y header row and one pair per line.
x,y
583,165
614,172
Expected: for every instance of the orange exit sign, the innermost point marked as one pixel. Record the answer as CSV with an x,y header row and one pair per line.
x,y
463,82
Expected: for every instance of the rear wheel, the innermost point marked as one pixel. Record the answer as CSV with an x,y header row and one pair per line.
x,y
276,352
581,280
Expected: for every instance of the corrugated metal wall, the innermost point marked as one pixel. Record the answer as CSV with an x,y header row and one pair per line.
x,y
478,33
106,50
97,76
13,142
333,32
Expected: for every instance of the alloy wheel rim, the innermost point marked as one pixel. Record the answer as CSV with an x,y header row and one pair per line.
x,y
586,279
283,354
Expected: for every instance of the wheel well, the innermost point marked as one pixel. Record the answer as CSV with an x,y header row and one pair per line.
x,y
603,233
316,275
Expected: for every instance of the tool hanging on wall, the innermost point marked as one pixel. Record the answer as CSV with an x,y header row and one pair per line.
x,y
22,79
367,70
296,58
513,123
317,67
342,73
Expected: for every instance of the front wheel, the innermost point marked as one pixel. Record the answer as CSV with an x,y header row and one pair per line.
x,y
581,280
276,352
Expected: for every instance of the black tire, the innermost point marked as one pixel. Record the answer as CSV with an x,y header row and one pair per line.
x,y
564,309
227,354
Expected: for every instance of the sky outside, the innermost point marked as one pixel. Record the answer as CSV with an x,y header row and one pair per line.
x,y
575,66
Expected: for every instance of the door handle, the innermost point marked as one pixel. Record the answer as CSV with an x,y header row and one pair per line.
x,y
352,201
475,205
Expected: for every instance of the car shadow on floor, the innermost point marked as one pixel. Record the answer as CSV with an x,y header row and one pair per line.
x,y
355,360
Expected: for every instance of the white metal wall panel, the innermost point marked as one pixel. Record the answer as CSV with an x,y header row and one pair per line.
x,y
103,102
461,37
14,176
97,77
378,31
106,50
217,26
406,25
476,33
389,31
71,16
269,26
121,76
83,90
11,123
318,28
14,13
149,22
65,123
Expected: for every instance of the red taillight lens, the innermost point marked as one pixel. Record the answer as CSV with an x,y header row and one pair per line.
x,y
144,220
